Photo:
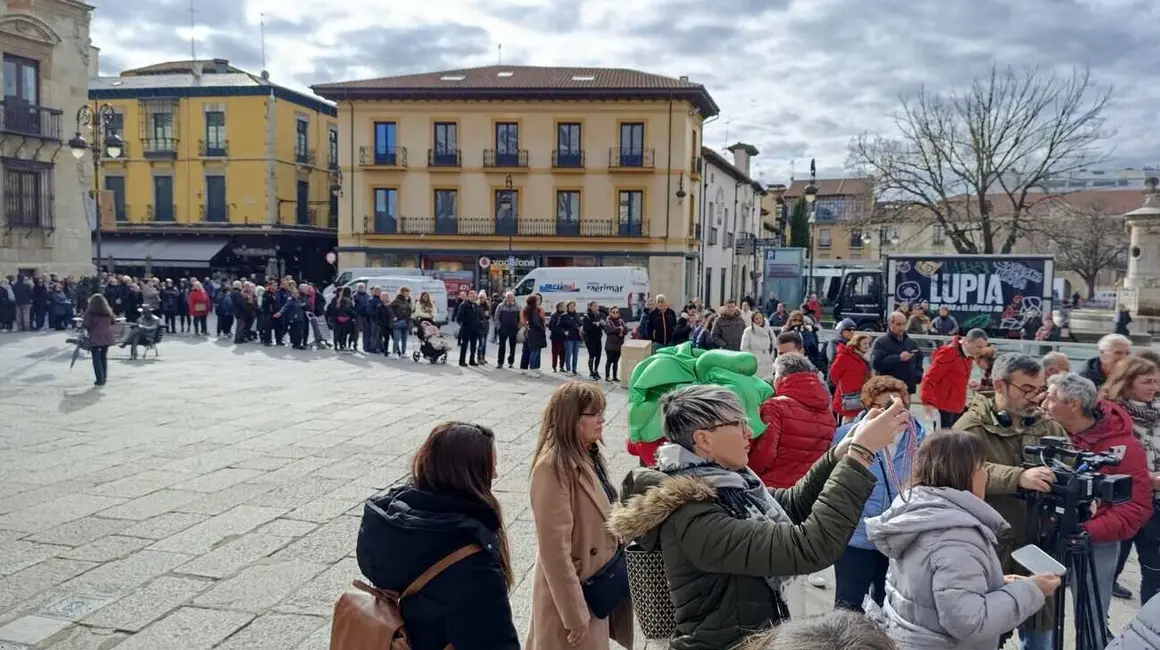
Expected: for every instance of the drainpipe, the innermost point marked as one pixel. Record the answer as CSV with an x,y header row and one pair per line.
x,y
669,173
352,171
733,248
704,226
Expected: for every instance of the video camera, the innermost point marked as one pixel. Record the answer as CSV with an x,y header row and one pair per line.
x,y
1057,516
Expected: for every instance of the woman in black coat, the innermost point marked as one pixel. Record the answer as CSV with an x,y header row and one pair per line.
x,y
446,506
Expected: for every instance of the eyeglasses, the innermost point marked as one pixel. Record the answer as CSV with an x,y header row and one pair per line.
x,y
735,423
1030,391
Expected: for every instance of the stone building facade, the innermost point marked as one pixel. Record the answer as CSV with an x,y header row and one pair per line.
x,y
44,227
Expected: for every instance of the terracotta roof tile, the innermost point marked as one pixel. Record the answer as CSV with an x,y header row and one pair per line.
x,y
832,187
516,81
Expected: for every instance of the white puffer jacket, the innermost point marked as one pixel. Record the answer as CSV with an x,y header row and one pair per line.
x,y
759,341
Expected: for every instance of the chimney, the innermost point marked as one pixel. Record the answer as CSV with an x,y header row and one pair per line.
x,y
196,68
221,66
94,62
685,78
741,154
265,75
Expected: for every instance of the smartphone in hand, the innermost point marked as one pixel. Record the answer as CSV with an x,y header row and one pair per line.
x,y
1035,560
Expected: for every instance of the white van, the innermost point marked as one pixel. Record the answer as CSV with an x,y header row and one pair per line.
x,y
346,275
609,286
417,285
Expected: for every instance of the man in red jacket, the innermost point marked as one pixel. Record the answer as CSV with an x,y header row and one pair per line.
x,y
944,385
800,425
1100,426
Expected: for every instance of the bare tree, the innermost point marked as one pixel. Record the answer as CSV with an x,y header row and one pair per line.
x,y
1085,239
975,161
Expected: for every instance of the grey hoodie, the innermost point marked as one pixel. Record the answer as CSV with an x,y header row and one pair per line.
x,y
944,589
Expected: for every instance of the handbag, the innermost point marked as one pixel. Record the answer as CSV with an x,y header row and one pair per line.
x,y
522,334
649,589
367,618
851,401
608,587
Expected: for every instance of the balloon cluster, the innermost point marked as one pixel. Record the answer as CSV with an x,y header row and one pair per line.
x,y
671,368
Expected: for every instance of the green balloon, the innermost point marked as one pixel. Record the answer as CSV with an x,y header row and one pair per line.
x,y
674,367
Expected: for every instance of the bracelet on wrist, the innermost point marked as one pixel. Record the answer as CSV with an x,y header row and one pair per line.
x,y
861,449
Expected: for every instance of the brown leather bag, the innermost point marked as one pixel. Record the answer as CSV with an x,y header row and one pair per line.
x,y
367,618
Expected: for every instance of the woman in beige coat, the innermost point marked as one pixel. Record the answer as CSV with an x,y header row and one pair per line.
x,y
571,500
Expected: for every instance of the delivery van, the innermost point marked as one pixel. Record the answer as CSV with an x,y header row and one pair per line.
x,y
417,285
609,286
348,274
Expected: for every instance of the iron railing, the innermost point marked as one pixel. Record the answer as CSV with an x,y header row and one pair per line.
x,y
572,159
304,156
385,224
444,158
493,158
395,157
159,147
217,215
23,118
165,213
630,158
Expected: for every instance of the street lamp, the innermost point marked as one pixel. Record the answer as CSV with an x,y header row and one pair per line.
x,y
98,120
811,194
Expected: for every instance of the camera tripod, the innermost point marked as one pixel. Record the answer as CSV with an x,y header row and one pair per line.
x,y
1091,629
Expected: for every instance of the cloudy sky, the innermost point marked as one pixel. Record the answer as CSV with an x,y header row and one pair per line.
x,y
797,78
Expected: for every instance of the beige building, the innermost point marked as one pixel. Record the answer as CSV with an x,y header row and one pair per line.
x,y
482,174
841,206
44,227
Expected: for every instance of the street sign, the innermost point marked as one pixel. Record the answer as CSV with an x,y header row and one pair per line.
x,y
484,262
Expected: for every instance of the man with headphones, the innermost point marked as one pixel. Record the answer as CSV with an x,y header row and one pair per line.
x,y
1005,423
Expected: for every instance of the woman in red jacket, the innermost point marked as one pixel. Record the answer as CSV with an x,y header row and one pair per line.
x,y
198,308
944,384
799,424
848,373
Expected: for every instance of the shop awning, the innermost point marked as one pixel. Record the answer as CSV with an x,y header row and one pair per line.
x,y
162,252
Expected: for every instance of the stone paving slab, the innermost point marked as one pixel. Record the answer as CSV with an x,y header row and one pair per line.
x,y
222,511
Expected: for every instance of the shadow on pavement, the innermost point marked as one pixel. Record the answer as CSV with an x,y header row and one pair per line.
x,y
73,402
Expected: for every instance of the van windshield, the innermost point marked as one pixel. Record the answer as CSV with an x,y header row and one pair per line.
x,y
342,279
525,288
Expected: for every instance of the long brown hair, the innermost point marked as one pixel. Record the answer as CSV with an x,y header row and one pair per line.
x,y
948,459
558,436
99,306
1126,372
459,458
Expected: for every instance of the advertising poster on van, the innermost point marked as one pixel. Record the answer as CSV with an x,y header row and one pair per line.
x,y
997,293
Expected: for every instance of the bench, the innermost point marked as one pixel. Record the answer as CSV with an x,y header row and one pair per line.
x,y
150,341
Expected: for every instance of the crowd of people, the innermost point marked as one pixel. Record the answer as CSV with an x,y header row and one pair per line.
x,y
919,516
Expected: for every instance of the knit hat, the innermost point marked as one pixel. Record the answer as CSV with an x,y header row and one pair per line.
x,y
845,324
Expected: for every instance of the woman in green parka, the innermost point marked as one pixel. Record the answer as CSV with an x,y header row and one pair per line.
x,y
729,544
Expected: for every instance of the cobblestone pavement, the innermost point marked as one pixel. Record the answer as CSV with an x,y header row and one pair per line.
x,y
210,498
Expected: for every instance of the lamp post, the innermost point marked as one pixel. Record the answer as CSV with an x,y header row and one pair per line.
x,y
97,119
811,194
882,239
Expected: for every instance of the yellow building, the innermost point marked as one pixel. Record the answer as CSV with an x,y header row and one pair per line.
x,y
485,173
221,170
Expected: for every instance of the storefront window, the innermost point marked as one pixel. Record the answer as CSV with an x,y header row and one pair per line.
x,y
456,271
504,273
625,260
578,260
392,261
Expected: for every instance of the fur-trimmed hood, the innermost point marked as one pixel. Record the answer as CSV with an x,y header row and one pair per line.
x,y
651,497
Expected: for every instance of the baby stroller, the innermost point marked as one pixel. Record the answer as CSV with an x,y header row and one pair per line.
x,y
321,331
433,346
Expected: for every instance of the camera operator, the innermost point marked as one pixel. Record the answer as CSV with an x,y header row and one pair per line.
x,y
1100,426
1006,422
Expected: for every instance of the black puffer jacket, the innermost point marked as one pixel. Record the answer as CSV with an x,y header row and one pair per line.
x,y
406,531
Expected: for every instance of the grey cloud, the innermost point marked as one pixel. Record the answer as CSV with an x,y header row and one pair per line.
x,y
557,16
391,51
171,13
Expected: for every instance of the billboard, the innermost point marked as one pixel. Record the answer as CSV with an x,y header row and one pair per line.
x,y
988,292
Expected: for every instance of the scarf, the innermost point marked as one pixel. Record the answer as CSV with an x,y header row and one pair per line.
x,y
1146,420
740,492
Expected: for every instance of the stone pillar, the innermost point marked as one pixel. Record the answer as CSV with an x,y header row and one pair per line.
x,y
1141,290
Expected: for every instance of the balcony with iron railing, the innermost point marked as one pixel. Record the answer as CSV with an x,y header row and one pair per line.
x,y
502,226
505,159
304,156
449,158
166,213
159,148
395,157
21,118
568,159
630,159
216,214
213,148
